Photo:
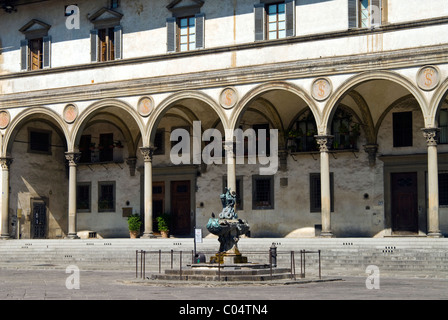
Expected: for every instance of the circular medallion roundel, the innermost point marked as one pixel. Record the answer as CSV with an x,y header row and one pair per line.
x,y
321,89
145,106
70,113
428,78
4,119
228,98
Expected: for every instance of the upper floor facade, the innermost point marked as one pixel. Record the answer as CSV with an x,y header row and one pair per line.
x,y
55,44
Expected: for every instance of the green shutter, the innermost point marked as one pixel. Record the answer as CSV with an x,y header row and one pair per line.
x,y
259,13
352,14
94,45
46,51
171,34
290,8
200,20
24,54
118,42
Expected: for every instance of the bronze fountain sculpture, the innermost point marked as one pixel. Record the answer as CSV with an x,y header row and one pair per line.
x,y
228,227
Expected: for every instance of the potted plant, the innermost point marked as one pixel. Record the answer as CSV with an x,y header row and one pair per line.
x,y
134,224
163,223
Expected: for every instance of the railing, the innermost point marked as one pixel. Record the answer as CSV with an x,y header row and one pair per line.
x,y
177,260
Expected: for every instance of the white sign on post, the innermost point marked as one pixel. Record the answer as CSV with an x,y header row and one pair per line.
x,y
198,235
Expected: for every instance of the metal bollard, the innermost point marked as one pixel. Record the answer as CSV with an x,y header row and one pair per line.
x,y
273,255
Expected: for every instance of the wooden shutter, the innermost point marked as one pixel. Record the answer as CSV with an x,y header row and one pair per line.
x,y
118,41
375,13
352,13
171,34
24,54
47,52
200,20
259,13
93,45
290,8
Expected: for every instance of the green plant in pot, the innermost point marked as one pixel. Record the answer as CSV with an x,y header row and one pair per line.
x,y
163,223
134,224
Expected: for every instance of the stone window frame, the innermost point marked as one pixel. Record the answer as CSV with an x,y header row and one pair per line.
x,y
36,130
114,190
33,34
271,204
112,24
84,184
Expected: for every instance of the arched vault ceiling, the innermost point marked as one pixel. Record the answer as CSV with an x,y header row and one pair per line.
x,y
286,104
379,95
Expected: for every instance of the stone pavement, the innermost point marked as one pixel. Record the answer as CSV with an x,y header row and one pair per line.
x,y
40,284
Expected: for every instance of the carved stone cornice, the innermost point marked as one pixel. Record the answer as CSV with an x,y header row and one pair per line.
x,y
131,162
372,150
324,142
5,162
431,135
278,71
72,158
147,153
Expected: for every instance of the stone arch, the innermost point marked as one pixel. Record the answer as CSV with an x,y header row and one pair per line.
x,y
358,79
101,106
173,101
45,115
438,98
270,86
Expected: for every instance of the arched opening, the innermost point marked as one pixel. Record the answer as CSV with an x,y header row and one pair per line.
x,y
371,198
37,141
279,204
185,185
107,136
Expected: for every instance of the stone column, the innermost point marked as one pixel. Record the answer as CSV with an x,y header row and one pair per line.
x,y
4,222
231,169
72,158
433,182
324,142
147,158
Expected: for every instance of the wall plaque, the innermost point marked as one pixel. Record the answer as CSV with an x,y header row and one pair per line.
x,y
70,113
4,119
428,78
321,89
228,98
145,106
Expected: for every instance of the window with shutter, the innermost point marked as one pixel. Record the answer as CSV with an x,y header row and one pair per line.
x,y
185,33
36,48
106,39
274,20
366,13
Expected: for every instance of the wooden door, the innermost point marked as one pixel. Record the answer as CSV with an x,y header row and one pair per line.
x,y
404,202
180,207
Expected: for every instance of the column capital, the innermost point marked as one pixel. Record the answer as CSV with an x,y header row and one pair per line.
x,y
147,152
5,162
431,135
324,142
72,158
